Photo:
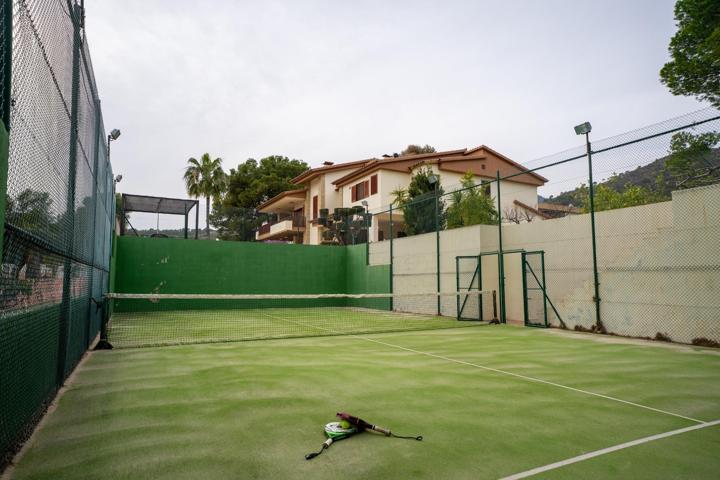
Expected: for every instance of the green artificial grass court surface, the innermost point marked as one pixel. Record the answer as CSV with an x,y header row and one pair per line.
x,y
184,326
254,409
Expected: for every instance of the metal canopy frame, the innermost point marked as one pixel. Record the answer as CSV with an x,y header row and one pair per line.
x,y
164,205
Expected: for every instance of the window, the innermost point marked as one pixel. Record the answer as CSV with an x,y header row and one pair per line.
x,y
360,190
373,185
315,207
486,189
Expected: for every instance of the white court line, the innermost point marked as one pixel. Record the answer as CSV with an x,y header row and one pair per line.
x,y
496,370
604,451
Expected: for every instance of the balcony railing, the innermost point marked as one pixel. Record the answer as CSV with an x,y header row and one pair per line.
x,y
283,223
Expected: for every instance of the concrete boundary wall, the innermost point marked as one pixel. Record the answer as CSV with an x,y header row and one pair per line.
x,y
659,266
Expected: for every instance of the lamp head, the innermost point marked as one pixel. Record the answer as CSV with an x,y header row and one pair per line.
x,y
118,178
433,179
583,128
114,134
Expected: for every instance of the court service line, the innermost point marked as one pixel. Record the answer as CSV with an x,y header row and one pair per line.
x,y
604,451
496,370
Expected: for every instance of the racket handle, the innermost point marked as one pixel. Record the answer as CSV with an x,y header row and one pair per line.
x,y
382,430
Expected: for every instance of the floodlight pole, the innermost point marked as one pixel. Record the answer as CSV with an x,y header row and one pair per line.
x,y
591,189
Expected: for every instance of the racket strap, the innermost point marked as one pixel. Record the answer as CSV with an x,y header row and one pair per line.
x,y
410,437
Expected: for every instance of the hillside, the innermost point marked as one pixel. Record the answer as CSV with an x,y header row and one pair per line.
x,y
644,176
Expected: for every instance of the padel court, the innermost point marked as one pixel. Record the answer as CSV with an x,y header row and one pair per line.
x,y
491,401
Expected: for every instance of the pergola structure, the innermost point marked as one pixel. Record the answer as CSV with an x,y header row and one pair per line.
x,y
170,206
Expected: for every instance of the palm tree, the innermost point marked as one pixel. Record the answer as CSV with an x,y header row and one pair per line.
x,y
205,178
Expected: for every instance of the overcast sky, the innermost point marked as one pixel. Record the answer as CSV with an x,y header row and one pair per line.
x,y
341,81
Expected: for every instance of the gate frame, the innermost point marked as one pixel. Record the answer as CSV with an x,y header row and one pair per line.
x,y
478,273
542,288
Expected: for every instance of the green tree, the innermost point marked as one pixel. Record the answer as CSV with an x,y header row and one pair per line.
x,y
415,149
693,162
418,203
249,185
253,182
470,205
205,178
695,51
607,198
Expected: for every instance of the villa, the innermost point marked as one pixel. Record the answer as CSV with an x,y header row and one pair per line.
x,y
369,183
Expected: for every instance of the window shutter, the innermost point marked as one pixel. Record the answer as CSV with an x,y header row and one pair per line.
x,y
373,185
315,207
366,188
353,193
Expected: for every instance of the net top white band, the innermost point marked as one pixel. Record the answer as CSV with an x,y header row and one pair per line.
x,y
214,296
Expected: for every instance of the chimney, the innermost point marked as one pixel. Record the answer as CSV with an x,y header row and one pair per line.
x,y
327,164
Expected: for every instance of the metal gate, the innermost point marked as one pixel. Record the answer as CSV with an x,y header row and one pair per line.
x,y
535,298
474,301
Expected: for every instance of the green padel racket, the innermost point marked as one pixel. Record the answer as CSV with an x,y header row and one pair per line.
x,y
335,432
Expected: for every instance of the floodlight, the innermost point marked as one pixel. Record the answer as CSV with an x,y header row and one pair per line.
x,y
118,178
583,128
114,134
364,203
433,179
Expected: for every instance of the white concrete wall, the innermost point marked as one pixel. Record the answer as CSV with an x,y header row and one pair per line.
x,y
659,266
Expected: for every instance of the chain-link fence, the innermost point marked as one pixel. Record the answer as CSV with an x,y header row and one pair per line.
x,y
59,209
635,255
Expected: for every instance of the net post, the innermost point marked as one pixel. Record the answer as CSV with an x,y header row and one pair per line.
x,y
591,192
501,255
64,323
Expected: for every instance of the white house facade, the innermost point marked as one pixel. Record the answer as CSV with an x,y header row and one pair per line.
x,y
370,184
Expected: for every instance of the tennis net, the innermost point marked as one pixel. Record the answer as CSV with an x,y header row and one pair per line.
x,y
140,320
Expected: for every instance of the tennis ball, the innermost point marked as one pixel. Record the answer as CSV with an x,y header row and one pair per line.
x,y
344,424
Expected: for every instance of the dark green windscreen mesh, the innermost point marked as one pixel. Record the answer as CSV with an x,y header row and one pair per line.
x,y
59,209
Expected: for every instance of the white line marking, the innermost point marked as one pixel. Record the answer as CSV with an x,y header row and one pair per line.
x,y
496,370
605,451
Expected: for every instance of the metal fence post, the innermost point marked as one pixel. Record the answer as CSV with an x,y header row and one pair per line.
x,y
98,142
64,324
7,11
197,218
391,254
367,238
501,255
437,246
596,277
457,287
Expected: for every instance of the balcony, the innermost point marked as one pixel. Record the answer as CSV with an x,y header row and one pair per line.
x,y
286,227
